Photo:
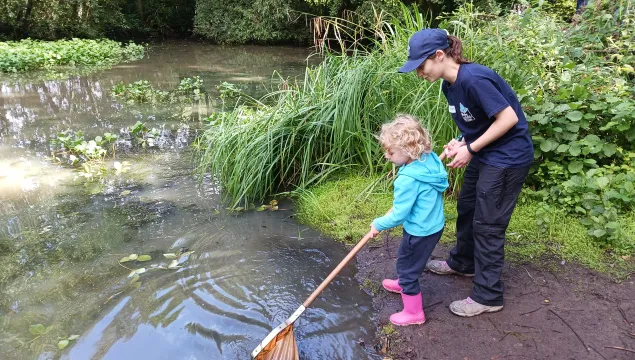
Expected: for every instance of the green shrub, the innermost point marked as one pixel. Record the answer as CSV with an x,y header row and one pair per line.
x,y
576,86
58,19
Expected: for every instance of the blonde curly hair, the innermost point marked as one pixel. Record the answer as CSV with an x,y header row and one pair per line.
x,y
406,133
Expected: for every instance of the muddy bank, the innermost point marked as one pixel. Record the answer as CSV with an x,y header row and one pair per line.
x,y
552,311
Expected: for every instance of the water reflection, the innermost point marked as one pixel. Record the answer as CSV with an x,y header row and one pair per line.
x,y
60,239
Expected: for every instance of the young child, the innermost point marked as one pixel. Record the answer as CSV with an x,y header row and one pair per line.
x,y
418,205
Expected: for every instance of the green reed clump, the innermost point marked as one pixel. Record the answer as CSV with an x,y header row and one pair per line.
x,y
299,135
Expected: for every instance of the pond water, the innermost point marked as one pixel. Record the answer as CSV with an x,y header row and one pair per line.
x,y
61,237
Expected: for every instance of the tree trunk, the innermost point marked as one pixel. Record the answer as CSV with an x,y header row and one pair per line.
x,y
25,20
140,11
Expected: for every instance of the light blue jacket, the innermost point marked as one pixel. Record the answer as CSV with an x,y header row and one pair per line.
x,y
418,197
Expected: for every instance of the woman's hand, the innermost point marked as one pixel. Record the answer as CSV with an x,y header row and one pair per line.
x,y
461,157
373,232
449,149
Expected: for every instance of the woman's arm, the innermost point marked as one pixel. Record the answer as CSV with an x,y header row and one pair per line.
x,y
505,120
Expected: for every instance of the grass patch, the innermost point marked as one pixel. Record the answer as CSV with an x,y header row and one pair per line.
x,y
370,286
344,209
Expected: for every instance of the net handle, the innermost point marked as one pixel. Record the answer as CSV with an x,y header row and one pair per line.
x,y
337,270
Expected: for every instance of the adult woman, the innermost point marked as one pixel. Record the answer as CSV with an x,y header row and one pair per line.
x,y
497,149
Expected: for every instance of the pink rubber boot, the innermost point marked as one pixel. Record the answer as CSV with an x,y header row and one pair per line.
x,y
412,313
391,285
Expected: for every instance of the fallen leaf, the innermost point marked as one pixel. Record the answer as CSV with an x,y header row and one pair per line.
x,y
125,193
73,337
170,256
173,265
125,259
133,256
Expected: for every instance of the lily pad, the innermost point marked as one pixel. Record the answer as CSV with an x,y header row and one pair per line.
x,y
62,344
144,258
37,329
136,272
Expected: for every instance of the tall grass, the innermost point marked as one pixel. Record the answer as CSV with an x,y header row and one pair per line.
x,y
328,121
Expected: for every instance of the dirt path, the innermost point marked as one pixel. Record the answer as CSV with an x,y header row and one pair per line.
x,y
585,313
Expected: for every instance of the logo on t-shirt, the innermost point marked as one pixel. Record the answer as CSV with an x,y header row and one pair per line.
x,y
465,112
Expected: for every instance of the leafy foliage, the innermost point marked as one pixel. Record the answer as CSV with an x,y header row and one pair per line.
x,y
245,21
577,89
56,19
142,91
32,54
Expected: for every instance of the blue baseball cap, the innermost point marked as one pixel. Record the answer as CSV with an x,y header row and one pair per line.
x,y
422,45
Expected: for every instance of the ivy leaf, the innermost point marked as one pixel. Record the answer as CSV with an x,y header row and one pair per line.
x,y
598,233
562,148
598,106
575,167
62,344
548,145
609,149
602,182
574,115
562,108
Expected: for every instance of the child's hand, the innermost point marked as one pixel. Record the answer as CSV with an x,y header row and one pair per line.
x,y
373,232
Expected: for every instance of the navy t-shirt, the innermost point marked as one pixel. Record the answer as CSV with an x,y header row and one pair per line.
x,y
474,98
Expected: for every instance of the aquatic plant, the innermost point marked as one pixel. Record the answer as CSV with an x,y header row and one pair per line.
x,y
26,55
